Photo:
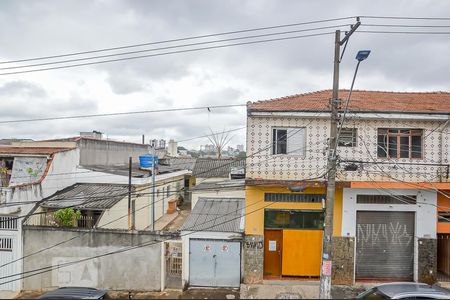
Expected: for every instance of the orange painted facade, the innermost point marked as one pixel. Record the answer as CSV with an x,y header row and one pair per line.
x,y
443,205
400,185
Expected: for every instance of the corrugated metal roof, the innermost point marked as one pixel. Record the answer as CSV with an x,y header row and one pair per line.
x,y
216,214
90,196
211,167
32,150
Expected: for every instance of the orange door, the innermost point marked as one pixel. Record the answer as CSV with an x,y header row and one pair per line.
x,y
273,247
302,251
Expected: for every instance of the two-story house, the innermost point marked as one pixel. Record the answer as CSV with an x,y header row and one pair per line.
x,y
393,173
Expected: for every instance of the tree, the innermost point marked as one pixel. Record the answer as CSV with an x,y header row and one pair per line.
x,y
66,217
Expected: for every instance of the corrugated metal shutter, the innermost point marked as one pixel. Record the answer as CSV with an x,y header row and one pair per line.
x,y
384,245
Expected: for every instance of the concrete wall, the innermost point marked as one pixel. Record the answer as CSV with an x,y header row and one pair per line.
x,y
104,152
427,260
253,258
343,260
137,269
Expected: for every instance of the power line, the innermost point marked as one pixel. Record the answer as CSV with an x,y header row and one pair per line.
x,y
50,268
406,18
401,32
122,113
180,39
172,47
168,53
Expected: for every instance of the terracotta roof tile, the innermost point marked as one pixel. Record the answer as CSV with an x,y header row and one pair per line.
x,y
32,150
361,101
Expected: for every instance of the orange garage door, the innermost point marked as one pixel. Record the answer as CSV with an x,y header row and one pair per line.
x,y
302,251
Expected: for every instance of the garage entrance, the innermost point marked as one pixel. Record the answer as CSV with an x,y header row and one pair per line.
x,y
385,245
214,263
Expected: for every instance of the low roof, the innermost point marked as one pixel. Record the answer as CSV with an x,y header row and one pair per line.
x,y
32,150
216,214
89,196
216,168
136,170
361,101
223,185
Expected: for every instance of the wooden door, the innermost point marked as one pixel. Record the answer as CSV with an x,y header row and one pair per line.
x,y
273,250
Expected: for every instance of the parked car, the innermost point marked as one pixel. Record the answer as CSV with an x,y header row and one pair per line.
x,y
75,293
405,290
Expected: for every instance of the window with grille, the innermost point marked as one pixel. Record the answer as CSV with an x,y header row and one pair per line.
x,y
6,244
347,137
279,197
386,199
444,217
288,141
399,143
7,222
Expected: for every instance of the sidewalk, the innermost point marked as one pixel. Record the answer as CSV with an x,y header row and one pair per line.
x,y
296,289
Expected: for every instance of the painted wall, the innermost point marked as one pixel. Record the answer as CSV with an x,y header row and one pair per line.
x,y
255,205
107,153
139,269
117,216
443,205
262,164
425,213
425,226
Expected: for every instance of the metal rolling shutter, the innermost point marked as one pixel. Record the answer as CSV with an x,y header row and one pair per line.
x,y
384,245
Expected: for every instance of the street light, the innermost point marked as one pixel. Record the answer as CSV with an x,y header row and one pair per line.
x,y
360,56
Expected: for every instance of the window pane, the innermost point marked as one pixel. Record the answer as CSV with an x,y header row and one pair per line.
x,y
293,219
382,145
416,146
392,144
404,147
274,141
296,141
281,141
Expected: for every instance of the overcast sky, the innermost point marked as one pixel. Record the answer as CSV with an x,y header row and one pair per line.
x,y
212,77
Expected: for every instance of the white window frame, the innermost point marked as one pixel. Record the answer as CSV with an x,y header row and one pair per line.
x,y
291,131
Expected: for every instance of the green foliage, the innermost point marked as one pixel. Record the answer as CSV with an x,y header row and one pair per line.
x,y
66,216
32,172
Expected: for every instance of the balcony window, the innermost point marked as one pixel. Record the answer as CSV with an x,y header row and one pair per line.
x,y
288,141
399,143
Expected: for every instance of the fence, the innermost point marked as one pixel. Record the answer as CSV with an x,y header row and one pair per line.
x,y
48,220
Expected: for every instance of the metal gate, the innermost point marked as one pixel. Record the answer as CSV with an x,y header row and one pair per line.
x,y
174,264
384,245
214,263
7,251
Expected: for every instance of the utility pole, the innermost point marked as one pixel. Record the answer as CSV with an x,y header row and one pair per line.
x,y
327,245
153,186
129,194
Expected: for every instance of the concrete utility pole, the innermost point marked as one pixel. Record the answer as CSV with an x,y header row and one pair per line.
x,y
153,186
327,246
129,193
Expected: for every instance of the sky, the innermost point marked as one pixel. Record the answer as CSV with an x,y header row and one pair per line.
x,y
229,75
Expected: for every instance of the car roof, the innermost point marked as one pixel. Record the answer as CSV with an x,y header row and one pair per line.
x,y
410,288
74,293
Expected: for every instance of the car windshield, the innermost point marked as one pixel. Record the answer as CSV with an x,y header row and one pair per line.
x,y
372,293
